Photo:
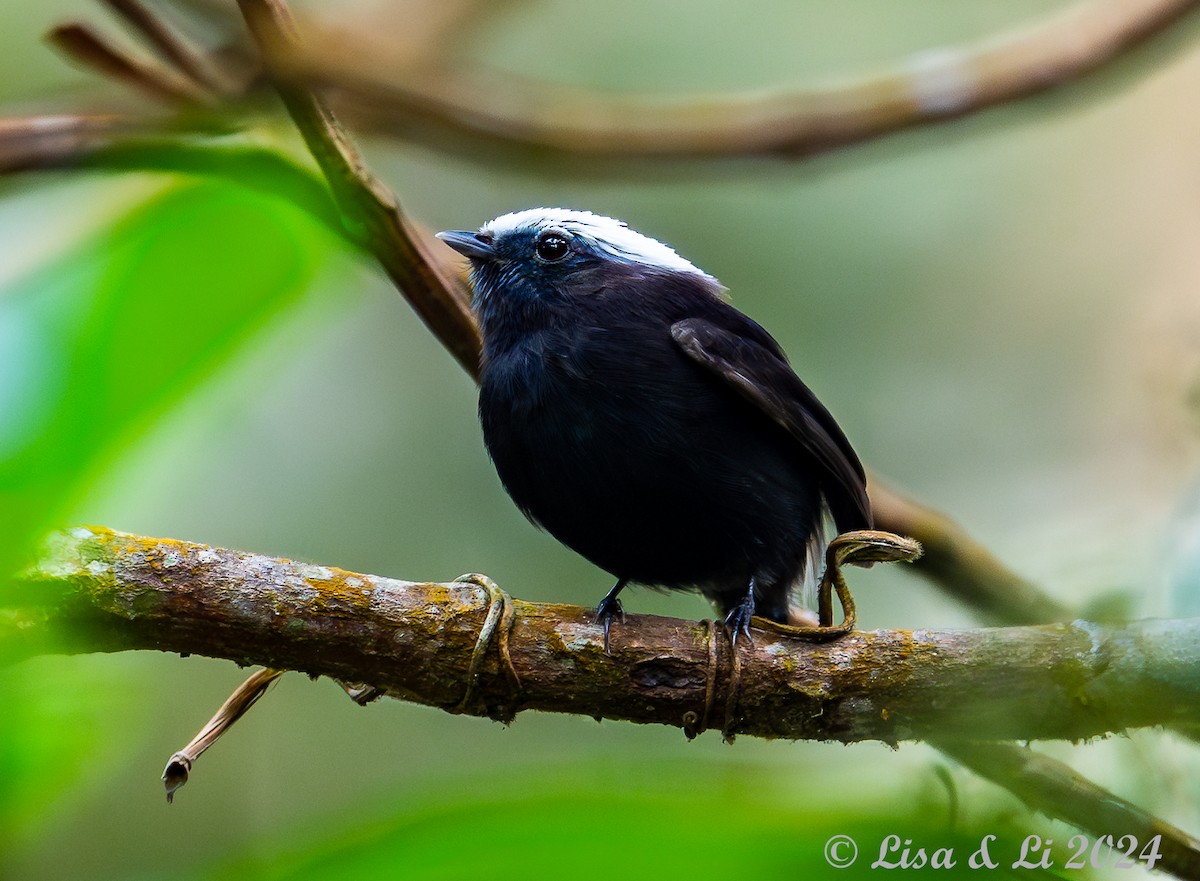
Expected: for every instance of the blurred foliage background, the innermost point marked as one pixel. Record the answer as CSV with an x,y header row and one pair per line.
x,y
1001,310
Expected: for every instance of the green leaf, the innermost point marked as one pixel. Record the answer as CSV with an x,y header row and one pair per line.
x,y
666,825
94,347
61,730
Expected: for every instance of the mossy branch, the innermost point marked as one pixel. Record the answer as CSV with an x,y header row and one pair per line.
x,y
98,590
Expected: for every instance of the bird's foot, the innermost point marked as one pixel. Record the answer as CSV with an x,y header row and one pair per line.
x,y
738,620
609,608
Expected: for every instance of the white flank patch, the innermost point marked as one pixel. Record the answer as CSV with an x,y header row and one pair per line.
x,y
607,234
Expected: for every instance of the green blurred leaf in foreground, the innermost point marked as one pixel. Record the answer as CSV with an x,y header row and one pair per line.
x,y
60,736
666,825
93,347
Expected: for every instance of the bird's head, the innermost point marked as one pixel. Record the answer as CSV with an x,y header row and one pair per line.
x,y
529,261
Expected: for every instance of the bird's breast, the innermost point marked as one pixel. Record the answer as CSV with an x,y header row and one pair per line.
x,y
542,398
625,451
590,417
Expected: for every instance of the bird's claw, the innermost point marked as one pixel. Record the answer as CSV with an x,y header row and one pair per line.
x,y
738,621
609,608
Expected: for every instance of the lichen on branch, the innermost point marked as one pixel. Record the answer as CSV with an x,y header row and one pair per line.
x,y
100,590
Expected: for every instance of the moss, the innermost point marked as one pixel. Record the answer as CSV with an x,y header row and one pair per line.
x,y
337,591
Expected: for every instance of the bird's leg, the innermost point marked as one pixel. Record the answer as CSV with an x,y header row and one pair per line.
x,y
738,619
609,608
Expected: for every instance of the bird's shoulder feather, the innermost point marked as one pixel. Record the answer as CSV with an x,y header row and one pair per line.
x,y
737,350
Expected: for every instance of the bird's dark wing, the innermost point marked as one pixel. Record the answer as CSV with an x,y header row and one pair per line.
x,y
753,365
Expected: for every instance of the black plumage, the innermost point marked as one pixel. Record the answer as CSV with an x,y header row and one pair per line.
x,y
645,422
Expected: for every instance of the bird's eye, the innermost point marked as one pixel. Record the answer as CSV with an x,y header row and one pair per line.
x,y
551,246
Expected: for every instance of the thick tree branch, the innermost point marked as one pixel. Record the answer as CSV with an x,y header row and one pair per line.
x,y
98,590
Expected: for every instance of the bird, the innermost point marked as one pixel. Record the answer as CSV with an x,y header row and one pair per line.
x,y
638,417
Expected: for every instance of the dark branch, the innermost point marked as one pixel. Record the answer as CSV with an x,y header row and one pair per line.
x,y
369,209
89,49
186,57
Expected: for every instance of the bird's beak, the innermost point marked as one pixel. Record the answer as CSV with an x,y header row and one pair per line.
x,y
469,244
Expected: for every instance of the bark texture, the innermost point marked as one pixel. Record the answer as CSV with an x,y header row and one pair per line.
x,y
99,590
